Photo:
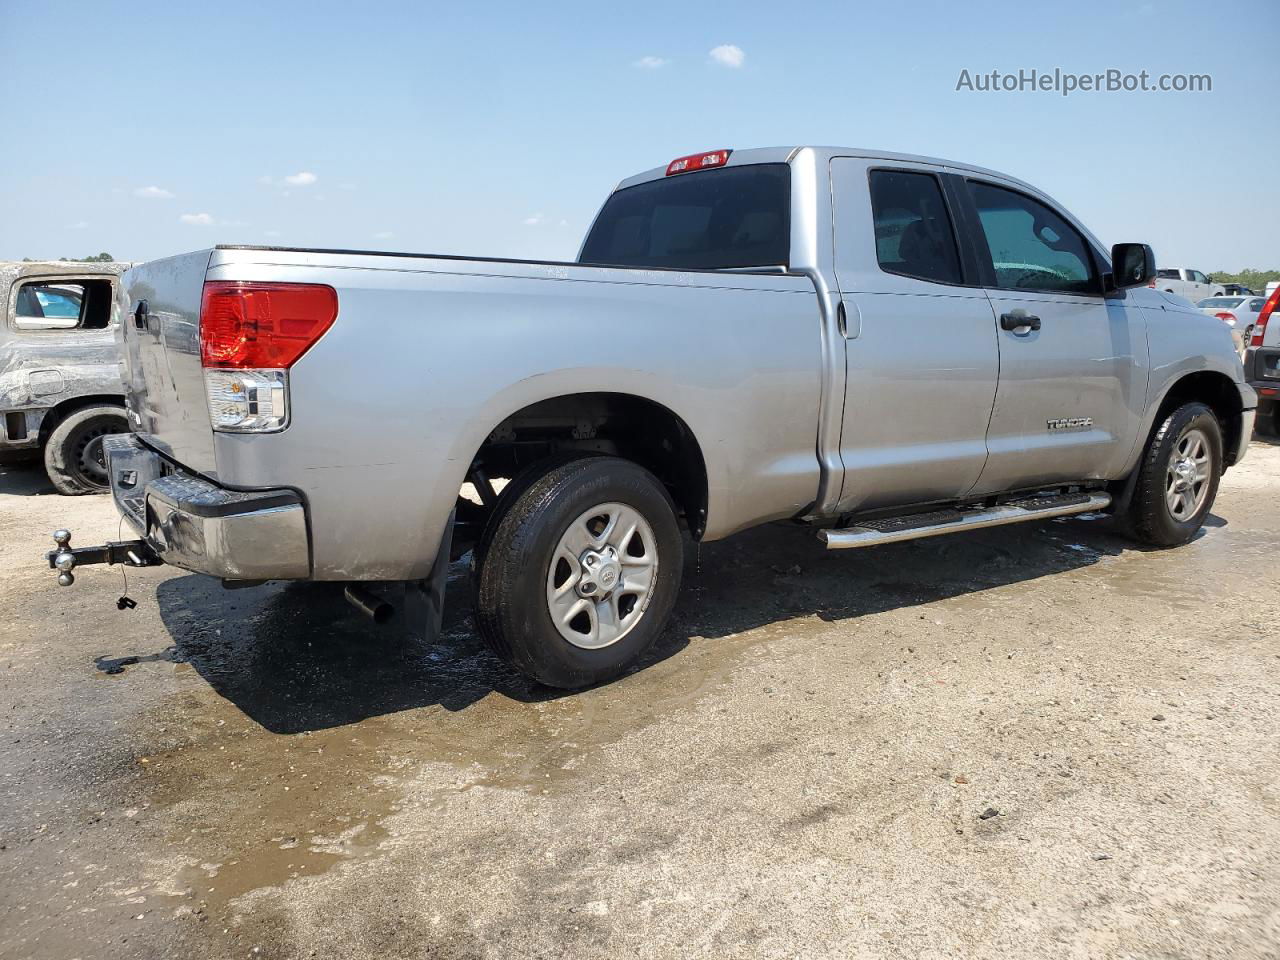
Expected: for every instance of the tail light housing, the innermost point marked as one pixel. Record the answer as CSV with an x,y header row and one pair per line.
x,y
1225,317
1260,325
251,333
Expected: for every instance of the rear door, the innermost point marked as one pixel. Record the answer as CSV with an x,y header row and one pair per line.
x,y
1072,361
920,346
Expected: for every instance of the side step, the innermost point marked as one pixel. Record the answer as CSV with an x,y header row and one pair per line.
x,y
870,533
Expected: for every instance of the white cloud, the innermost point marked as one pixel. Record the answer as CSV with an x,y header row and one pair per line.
x,y
651,63
383,235
153,193
303,178
197,219
533,221
727,55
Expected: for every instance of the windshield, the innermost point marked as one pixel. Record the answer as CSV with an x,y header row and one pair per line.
x,y
709,220
1222,302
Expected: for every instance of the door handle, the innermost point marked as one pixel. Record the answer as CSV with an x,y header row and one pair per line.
x,y
1015,321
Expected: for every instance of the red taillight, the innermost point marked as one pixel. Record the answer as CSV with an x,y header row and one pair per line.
x,y
268,325
1152,283
1260,325
1226,317
698,161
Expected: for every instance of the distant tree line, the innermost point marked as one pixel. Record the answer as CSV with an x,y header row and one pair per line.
x,y
1255,280
96,258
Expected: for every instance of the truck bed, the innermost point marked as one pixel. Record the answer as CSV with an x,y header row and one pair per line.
x,y
430,353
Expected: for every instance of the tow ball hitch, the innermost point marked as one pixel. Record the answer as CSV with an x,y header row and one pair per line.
x,y
65,558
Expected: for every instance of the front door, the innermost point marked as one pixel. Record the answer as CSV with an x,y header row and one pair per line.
x,y
1072,361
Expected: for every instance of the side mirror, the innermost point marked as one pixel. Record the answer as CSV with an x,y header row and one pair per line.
x,y
1132,264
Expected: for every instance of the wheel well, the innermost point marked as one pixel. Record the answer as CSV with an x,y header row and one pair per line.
x,y
1219,394
618,424
69,406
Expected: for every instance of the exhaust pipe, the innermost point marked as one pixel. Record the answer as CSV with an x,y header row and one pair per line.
x,y
371,605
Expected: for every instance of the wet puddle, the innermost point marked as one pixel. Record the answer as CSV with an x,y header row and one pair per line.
x,y
303,729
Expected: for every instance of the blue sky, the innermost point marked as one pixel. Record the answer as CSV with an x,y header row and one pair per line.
x,y
147,129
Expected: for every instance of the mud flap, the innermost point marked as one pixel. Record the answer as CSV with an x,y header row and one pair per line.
x,y
424,599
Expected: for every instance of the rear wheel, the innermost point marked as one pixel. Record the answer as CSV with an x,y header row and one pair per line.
x,y
581,572
73,454
1179,477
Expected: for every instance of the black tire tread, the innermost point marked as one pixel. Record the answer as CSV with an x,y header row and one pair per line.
x,y
507,532
61,473
1148,511
509,544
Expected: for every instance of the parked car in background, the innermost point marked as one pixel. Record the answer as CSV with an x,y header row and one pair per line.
x,y
1238,313
1237,290
60,386
1192,284
726,351
1262,364
1272,287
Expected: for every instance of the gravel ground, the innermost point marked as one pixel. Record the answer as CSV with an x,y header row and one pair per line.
x,y
1036,741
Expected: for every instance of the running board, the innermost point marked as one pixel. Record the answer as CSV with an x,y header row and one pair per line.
x,y
871,533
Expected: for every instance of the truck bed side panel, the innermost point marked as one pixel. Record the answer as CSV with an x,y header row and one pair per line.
x,y
427,358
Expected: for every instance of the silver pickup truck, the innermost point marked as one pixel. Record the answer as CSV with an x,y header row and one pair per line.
x,y
880,346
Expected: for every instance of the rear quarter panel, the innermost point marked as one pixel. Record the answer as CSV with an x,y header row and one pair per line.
x,y
426,358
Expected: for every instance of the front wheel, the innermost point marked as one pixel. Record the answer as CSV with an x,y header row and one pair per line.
x,y
73,454
581,572
1179,477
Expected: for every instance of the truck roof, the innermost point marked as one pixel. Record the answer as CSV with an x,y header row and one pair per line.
x,y
785,154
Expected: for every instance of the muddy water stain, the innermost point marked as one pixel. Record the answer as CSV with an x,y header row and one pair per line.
x,y
312,730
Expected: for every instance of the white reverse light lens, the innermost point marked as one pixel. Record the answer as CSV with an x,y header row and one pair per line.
x,y
248,401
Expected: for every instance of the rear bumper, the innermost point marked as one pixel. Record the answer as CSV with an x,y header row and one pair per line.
x,y
199,526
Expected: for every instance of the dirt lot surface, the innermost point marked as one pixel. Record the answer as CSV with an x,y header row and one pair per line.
x,y
1036,741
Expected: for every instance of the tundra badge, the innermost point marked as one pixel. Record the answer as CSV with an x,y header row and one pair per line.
x,y
1070,423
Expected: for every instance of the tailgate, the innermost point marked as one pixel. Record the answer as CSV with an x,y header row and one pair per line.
x,y
164,382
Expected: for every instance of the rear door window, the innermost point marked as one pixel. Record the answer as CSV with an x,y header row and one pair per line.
x,y
62,305
1031,246
914,233
733,217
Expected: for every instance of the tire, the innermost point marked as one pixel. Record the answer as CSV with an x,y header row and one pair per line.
x,y
540,559
518,484
73,453
1170,503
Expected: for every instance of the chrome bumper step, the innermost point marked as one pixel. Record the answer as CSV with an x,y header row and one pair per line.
x,y
870,533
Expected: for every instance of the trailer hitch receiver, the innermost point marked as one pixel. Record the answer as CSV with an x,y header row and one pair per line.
x,y
65,558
